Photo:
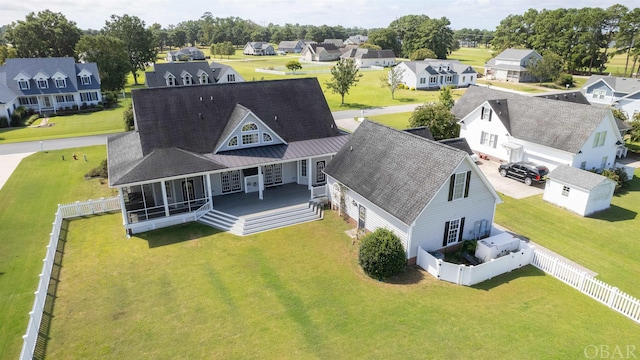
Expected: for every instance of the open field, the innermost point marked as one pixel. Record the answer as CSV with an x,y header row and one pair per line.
x,y
192,292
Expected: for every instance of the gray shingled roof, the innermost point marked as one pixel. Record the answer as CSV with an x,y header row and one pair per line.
x,y
422,131
576,177
515,54
458,143
618,84
570,96
368,54
431,66
178,128
396,170
155,78
49,66
557,124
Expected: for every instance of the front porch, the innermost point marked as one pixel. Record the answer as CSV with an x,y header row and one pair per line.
x,y
276,197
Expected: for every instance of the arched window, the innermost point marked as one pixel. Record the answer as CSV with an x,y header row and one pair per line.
x,y
266,137
249,127
233,142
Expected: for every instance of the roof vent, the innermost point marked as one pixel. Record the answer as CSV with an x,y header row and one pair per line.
x,y
350,148
200,116
498,102
200,98
275,118
212,98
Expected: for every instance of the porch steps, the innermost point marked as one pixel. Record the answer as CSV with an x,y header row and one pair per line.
x,y
268,220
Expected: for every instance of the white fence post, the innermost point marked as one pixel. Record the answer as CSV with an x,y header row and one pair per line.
x,y
612,296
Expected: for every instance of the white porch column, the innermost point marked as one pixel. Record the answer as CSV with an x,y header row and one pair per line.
x,y
209,192
309,175
164,198
124,209
260,183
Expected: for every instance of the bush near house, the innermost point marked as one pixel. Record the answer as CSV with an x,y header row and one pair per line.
x,y
4,122
381,254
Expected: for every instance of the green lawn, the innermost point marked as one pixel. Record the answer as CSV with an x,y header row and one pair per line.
x,y
397,121
608,243
192,292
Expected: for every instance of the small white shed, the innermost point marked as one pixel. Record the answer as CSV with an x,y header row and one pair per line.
x,y
580,191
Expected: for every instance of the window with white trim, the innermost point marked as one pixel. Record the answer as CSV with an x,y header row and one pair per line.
x,y
565,191
453,232
85,80
266,138
423,80
23,84
248,139
204,78
43,84
29,100
599,93
599,139
488,139
449,78
433,79
61,83
486,113
303,168
464,78
249,127
89,96
458,186
233,142
231,77
187,80
171,81
320,175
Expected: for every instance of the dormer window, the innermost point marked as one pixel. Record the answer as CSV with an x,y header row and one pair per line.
x,y
23,84
266,138
85,80
204,78
171,81
43,84
187,80
61,83
231,77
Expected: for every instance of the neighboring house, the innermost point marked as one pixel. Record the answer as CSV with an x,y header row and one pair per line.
x,y
435,74
337,42
291,46
431,195
320,52
580,191
618,92
258,48
511,65
47,85
195,148
347,48
514,127
185,54
190,73
356,40
365,58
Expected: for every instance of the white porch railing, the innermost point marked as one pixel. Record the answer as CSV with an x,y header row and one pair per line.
x,y
318,191
621,151
203,210
30,338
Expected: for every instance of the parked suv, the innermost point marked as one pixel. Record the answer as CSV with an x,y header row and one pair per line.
x,y
525,171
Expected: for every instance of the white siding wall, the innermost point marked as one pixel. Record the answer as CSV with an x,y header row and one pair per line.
x,y
576,201
607,99
474,126
375,217
630,105
542,155
600,197
428,231
216,185
469,79
408,77
593,156
507,62
302,180
289,172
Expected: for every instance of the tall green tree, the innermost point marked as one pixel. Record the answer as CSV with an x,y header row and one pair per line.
x,y
45,34
110,55
138,41
628,39
6,52
422,54
440,121
445,97
344,75
393,79
385,38
548,68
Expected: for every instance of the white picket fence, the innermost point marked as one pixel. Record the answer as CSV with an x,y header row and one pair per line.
x,y
30,338
611,296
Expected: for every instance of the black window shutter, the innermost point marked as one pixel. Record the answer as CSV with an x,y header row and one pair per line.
x,y
495,143
451,185
446,233
466,185
490,113
461,229
482,113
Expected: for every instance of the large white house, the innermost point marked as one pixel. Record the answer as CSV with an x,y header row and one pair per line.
x,y
435,74
365,58
511,65
47,85
191,73
218,153
618,92
514,127
430,194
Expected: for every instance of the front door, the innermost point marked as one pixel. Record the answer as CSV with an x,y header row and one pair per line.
x,y
47,101
362,214
320,176
273,174
187,190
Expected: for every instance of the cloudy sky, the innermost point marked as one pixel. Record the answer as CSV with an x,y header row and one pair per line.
x,y
482,14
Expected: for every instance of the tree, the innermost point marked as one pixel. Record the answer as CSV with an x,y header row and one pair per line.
x,y
422,54
110,54
628,39
446,98
293,65
139,42
440,121
6,52
46,34
386,39
370,46
381,254
549,67
344,75
393,79
128,118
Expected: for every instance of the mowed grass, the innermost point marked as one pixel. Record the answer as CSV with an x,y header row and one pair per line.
x,y
298,293
29,200
607,243
398,121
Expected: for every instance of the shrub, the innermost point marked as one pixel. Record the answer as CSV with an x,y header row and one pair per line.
x,y
4,122
400,86
413,89
16,119
381,254
127,116
618,175
99,171
109,98
564,80
32,119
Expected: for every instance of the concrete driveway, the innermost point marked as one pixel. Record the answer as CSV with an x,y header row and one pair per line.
x,y
507,186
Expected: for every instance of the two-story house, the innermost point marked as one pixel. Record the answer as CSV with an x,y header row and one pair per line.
x,y
190,73
511,65
365,58
618,92
435,74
